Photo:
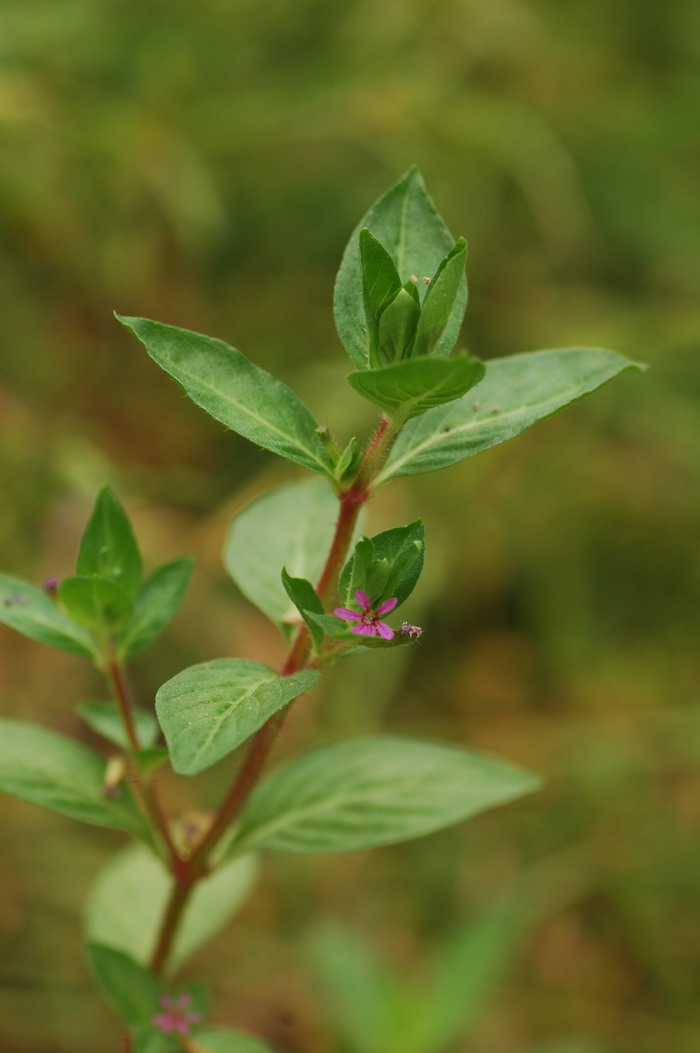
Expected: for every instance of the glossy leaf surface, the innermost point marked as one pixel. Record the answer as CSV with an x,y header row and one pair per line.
x,y
108,547
414,385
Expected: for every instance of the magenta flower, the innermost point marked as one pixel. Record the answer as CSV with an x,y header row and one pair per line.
x,y
369,623
176,1017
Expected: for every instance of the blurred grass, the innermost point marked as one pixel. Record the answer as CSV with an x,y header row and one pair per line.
x,y
204,165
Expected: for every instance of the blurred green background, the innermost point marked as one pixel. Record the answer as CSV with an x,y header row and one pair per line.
x,y
204,164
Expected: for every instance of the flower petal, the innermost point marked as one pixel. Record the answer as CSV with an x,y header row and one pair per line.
x,y
346,614
364,629
385,630
362,600
387,606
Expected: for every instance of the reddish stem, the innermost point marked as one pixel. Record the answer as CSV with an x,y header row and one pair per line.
x,y
188,872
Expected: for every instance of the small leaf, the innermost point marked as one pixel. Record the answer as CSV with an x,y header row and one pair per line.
x,y
387,565
44,768
105,719
398,326
440,300
156,602
126,904
30,611
146,1039
516,392
290,527
98,605
380,283
108,548
130,989
235,392
375,791
348,463
208,710
411,387
407,224
219,1041
304,597
150,759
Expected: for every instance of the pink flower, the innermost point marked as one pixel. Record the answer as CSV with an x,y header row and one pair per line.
x,y
176,1017
369,623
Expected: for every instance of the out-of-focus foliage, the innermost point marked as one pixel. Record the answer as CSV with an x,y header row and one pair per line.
x,y
204,164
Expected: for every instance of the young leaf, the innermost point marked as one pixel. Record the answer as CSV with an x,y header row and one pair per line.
x,y
105,719
130,989
219,1041
47,769
387,565
156,602
440,299
208,710
516,392
380,283
303,595
290,527
30,611
348,463
98,605
407,224
411,387
398,325
126,904
108,548
235,392
375,791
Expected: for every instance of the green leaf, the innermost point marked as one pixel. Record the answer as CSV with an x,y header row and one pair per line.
x,y
146,1039
516,392
407,224
348,463
380,283
292,527
304,597
440,300
398,326
130,989
411,387
208,710
101,606
42,767
375,791
156,602
126,904
150,759
386,565
108,548
30,611
235,392
105,719
219,1041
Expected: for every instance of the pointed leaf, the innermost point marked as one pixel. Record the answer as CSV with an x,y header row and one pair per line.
x,y
411,387
304,597
290,527
235,392
108,548
30,611
44,768
126,905
208,710
130,989
105,719
440,299
380,283
399,552
156,602
409,227
375,791
397,327
98,605
516,392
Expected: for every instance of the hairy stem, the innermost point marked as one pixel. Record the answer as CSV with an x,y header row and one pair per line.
x,y
188,872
